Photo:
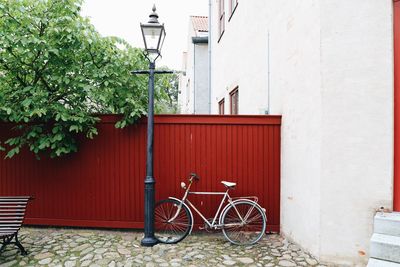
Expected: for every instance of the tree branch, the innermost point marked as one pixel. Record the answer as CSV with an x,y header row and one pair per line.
x,y
9,49
45,83
21,81
92,57
18,22
93,60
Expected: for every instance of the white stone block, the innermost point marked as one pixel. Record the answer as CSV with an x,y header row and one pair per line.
x,y
385,247
382,263
387,223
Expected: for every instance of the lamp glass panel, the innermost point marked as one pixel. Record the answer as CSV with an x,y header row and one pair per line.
x,y
162,39
152,36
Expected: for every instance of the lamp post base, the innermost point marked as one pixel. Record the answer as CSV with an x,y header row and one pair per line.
x,y
148,242
149,239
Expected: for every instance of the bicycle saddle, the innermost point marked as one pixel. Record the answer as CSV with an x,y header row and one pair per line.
x,y
228,184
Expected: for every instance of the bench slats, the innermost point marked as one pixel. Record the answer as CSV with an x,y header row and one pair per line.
x,y
13,206
12,213
3,201
14,200
14,197
13,203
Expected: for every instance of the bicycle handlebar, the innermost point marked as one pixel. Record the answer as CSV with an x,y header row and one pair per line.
x,y
194,176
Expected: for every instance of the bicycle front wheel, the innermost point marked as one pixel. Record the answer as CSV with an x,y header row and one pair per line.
x,y
172,221
244,223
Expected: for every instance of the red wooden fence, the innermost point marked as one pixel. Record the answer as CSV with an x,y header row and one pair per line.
x,y
396,201
102,185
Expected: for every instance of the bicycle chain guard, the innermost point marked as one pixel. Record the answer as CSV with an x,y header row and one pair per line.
x,y
207,227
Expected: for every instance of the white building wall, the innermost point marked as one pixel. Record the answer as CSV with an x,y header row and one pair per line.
x,y
296,94
182,95
185,97
200,90
193,85
331,78
357,123
240,58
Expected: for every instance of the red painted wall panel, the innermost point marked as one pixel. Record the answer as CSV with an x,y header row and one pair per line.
x,y
396,186
102,185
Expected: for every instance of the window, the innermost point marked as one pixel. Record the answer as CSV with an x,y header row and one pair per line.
x,y
221,16
232,7
234,95
221,107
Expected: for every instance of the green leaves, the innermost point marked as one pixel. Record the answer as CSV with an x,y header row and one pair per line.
x,y
12,152
56,72
167,93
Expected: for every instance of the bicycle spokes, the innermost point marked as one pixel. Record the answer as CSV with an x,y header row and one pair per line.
x,y
243,223
172,222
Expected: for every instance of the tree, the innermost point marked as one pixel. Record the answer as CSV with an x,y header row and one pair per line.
x,y
56,72
167,90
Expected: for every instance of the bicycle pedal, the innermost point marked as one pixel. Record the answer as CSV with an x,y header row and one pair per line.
x,y
201,228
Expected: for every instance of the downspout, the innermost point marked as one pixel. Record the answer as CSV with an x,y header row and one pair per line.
x,y
209,55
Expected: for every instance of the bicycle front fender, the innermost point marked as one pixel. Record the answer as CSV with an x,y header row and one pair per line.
x,y
190,211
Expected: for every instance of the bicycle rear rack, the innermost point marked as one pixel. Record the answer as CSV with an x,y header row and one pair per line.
x,y
252,198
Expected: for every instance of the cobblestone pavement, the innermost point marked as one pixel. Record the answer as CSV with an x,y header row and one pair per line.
x,y
82,247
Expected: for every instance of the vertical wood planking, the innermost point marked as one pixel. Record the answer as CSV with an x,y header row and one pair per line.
x,y
103,184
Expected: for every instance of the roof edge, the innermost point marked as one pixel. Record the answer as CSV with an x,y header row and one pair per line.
x,y
200,40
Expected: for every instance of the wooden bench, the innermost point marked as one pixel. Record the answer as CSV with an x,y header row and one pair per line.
x,y
12,213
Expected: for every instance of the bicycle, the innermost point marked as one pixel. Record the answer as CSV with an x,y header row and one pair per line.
x,y
242,220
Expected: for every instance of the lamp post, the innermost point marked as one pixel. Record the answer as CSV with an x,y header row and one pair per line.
x,y
153,35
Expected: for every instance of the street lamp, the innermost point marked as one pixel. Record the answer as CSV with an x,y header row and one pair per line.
x,y
153,35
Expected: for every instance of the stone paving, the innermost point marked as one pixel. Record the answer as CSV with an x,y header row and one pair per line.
x,y
93,248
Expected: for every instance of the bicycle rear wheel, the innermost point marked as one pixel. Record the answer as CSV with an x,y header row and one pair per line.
x,y
171,231
246,232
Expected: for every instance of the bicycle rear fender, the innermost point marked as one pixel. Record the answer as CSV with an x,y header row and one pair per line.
x,y
242,200
190,211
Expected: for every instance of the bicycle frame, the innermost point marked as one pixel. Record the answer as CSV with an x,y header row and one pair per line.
x,y
213,223
219,211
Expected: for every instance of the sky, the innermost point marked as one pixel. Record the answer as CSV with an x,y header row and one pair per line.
x,y
122,18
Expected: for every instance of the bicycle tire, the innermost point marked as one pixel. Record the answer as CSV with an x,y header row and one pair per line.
x,y
251,231
176,230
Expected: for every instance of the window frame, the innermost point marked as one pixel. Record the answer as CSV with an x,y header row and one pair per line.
x,y
221,18
221,107
232,8
234,95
